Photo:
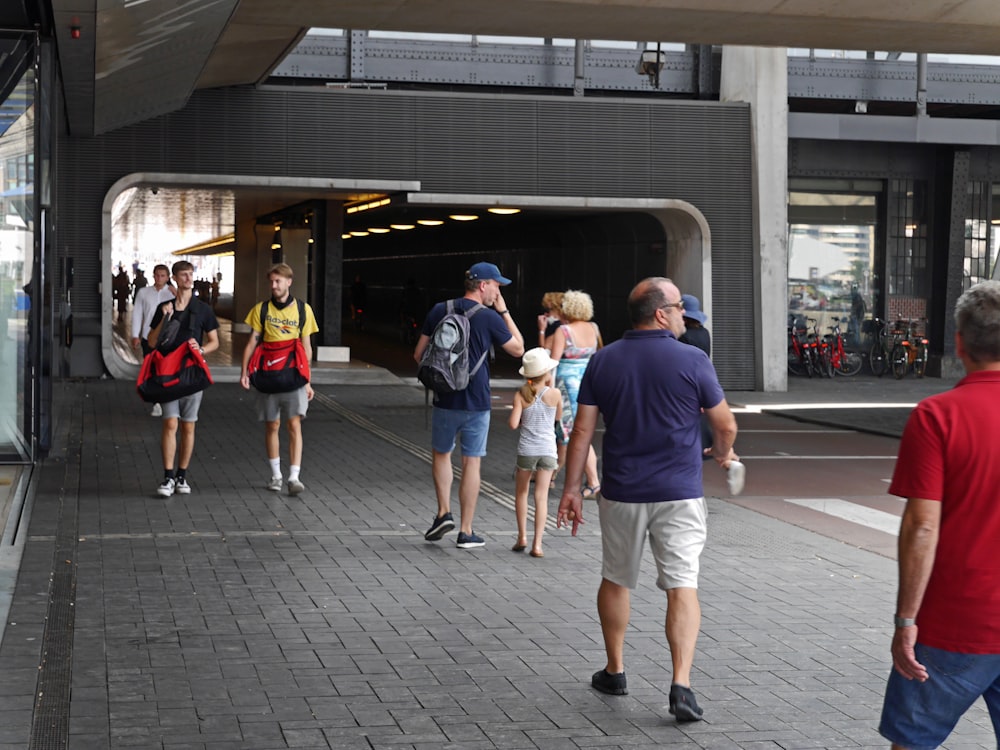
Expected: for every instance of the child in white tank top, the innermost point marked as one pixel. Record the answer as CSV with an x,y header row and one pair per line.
x,y
537,405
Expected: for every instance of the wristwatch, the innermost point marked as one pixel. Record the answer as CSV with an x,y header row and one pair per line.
x,y
903,622
502,312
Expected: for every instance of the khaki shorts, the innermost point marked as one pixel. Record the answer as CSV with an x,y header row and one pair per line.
x,y
531,463
273,406
676,529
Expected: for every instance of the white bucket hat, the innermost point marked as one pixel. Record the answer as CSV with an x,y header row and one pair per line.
x,y
537,362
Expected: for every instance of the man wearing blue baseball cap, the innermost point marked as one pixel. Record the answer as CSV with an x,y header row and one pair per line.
x,y
467,412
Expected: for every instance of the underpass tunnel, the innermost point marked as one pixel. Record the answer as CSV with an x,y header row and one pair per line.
x,y
394,240
603,250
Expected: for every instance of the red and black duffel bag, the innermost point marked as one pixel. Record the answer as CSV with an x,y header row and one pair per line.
x,y
168,377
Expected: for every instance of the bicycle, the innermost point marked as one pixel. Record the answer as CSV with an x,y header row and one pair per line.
x,y
842,361
800,358
910,350
820,347
878,354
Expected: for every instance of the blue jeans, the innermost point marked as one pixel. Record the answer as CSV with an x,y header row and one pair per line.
x,y
473,426
921,715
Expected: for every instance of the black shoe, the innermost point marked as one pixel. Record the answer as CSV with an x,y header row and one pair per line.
x,y
612,684
683,704
441,526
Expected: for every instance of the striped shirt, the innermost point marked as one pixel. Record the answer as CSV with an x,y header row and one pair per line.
x,y
538,437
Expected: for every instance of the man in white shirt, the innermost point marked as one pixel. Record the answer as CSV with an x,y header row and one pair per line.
x,y
147,300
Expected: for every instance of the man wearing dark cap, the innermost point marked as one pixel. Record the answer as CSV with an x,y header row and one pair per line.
x,y
467,412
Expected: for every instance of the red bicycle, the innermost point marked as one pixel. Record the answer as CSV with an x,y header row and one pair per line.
x,y
842,361
800,352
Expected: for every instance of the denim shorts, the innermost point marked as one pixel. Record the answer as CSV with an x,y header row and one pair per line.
x,y
676,529
473,426
921,715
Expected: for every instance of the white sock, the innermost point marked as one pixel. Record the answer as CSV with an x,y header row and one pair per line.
x,y
275,467
293,473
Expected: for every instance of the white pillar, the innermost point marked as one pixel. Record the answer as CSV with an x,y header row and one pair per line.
x,y
759,76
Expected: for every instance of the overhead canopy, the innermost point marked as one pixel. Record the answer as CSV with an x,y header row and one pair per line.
x,y
137,60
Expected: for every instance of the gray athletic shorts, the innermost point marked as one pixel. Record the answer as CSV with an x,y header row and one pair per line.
x,y
272,406
676,529
185,409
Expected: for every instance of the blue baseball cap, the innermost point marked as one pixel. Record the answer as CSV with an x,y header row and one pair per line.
x,y
486,272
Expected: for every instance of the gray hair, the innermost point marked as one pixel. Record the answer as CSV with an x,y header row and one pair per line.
x,y
977,318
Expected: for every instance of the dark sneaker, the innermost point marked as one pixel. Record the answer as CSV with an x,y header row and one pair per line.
x,y
683,704
469,541
441,526
612,684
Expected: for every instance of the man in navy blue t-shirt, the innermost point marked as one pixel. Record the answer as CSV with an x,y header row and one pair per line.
x,y
651,389
467,412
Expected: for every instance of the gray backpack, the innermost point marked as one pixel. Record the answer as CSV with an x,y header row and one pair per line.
x,y
444,366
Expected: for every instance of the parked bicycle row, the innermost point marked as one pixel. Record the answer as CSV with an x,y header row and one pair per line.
x,y
896,348
811,352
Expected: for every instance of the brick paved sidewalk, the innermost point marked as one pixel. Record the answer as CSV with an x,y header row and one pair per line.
x,y
237,618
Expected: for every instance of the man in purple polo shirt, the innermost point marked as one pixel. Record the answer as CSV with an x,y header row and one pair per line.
x,y
650,388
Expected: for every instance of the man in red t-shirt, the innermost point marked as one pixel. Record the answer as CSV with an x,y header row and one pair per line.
x,y
946,648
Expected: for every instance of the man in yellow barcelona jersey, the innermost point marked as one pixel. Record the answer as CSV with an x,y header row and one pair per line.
x,y
284,319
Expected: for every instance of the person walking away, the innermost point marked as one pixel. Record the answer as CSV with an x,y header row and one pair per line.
x,y
120,286
536,407
139,283
147,300
573,344
650,390
467,412
946,644
195,322
696,334
281,323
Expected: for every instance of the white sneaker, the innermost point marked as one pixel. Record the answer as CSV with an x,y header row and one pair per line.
x,y
295,486
736,477
182,487
166,489
157,411
274,484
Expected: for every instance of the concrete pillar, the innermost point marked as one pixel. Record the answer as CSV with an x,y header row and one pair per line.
x,y
759,76
330,271
951,366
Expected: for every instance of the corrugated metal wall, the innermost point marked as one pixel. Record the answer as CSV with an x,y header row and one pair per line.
x,y
698,152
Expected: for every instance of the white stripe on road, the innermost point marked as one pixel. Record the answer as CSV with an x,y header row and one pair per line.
x,y
873,519
760,408
783,456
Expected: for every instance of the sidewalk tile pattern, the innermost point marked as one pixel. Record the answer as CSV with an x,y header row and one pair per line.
x,y
239,618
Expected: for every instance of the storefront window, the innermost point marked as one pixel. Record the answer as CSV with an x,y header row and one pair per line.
x,y
17,230
831,249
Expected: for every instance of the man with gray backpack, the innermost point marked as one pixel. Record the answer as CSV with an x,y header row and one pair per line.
x,y
453,352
